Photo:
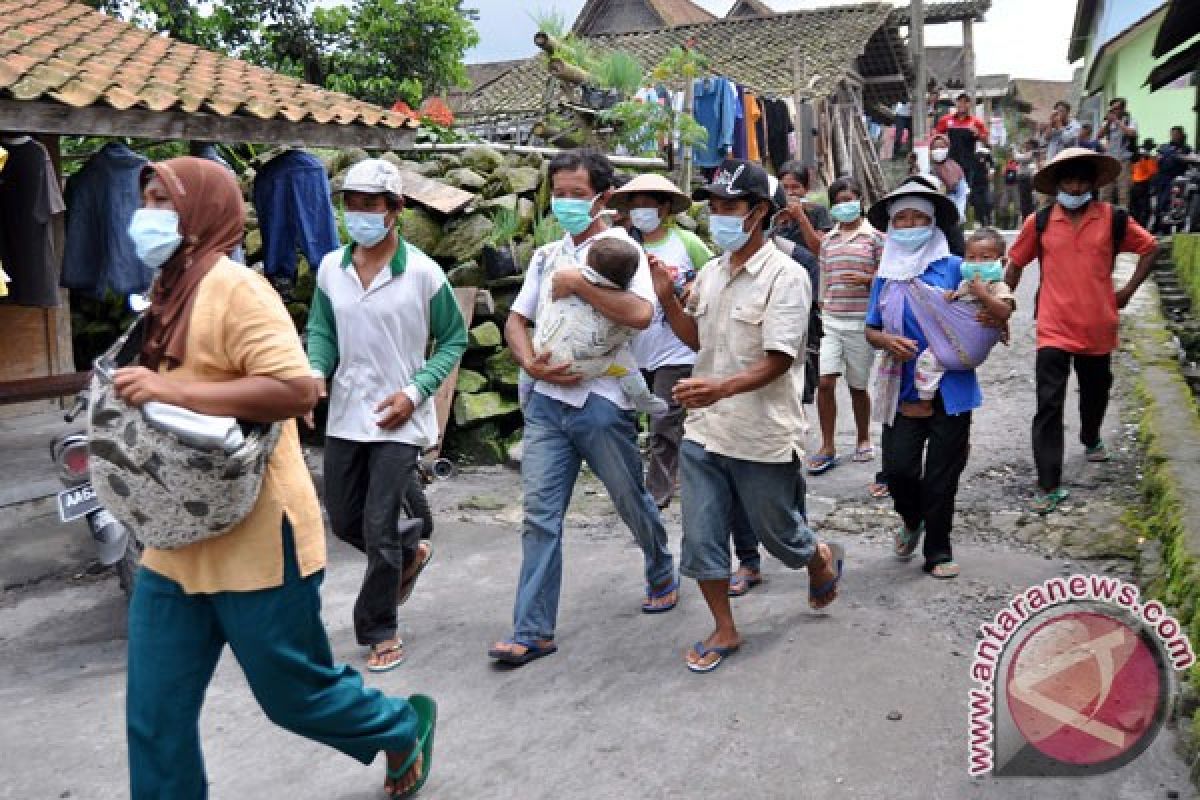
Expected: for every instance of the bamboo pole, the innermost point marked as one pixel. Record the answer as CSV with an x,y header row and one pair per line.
x,y
636,162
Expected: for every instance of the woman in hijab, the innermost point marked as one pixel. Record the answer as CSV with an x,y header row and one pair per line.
x,y
924,452
950,173
219,341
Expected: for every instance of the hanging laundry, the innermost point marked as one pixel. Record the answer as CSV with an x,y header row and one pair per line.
x,y
714,106
291,198
779,126
208,151
101,199
740,145
31,207
753,113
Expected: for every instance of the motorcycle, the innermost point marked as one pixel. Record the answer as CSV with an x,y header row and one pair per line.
x,y
115,546
1182,214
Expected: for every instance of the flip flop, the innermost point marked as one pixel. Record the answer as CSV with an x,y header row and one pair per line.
x,y
820,464
426,726
819,593
533,651
392,648
1046,503
699,649
650,608
945,570
1097,453
741,584
879,490
862,454
904,542
407,586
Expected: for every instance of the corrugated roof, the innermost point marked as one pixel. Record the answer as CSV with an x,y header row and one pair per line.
x,y
66,52
757,52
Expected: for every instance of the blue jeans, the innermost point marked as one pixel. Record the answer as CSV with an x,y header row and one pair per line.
x,y
558,439
745,543
771,496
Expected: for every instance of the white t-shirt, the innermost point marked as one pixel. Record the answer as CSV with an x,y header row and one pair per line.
x,y
566,253
658,346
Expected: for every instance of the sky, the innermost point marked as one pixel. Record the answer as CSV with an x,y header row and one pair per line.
x,y
1021,38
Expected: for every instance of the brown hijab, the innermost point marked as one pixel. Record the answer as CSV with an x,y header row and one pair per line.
x,y
948,171
212,221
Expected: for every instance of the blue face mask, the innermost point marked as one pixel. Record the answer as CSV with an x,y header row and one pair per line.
x,y
573,214
155,235
846,212
911,238
988,271
729,233
1072,202
368,228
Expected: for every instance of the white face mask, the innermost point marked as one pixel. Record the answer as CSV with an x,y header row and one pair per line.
x,y
939,154
645,220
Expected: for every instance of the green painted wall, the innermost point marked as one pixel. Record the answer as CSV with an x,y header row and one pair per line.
x,y
1155,112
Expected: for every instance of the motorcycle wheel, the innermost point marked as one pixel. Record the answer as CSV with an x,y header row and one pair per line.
x,y
127,567
416,506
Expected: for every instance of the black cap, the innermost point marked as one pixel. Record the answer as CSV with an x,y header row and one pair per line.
x,y
737,180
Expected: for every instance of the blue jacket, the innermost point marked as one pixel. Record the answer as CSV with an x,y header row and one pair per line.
x,y
100,199
715,107
291,197
959,388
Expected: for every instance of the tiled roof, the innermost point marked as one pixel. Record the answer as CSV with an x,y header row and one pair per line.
x,y
64,51
939,13
749,8
681,12
756,52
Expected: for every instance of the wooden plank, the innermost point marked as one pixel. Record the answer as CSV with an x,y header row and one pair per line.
x,y
443,401
45,388
36,116
434,194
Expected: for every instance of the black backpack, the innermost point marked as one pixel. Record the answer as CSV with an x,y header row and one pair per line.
x,y
1120,221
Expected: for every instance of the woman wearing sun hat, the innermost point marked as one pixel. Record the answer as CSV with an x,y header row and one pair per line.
x,y
650,202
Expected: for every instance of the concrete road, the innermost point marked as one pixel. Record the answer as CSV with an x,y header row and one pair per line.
x,y
804,710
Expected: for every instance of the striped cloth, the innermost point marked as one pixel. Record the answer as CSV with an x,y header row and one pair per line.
x,y
844,254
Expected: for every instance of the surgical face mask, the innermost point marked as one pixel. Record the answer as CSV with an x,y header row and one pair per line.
x,y
155,234
729,233
1071,202
574,215
911,238
939,154
645,220
368,228
987,271
846,212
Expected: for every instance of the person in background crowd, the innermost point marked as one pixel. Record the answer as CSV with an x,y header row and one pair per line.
x,y
1087,138
1061,131
1026,158
1143,172
1077,306
1119,135
650,202
982,173
954,174
569,421
1171,165
220,342
379,305
746,318
849,258
923,493
1008,208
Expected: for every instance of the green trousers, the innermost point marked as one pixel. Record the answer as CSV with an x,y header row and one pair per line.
x,y
277,636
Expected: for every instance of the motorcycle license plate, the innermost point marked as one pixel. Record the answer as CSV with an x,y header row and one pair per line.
x,y
76,502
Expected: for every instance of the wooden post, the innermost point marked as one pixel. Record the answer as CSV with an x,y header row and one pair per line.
x,y
689,107
916,41
969,60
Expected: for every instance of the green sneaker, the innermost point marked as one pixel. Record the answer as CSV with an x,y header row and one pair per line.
x,y
1097,453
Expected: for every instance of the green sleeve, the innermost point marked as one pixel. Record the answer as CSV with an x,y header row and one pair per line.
x,y
322,334
696,249
449,334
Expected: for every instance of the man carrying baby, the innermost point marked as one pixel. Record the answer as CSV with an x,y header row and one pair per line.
x,y
570,419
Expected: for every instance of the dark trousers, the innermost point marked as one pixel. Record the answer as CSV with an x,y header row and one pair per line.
x,y
1025,194
981,201
666,432
365,484
1139,203
175,641
1094,374
927,494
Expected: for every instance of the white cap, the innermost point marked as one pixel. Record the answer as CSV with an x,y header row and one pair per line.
x,y
373,176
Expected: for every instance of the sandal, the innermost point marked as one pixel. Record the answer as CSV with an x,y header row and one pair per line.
x,y
905,542
533,651
821,463
879,490
1045,503
743,582
865,453
820,597
945,570
649,607
405,590
380,651
1097,453
426,725
720,652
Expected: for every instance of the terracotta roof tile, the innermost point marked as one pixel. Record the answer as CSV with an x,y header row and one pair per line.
x,y
66,52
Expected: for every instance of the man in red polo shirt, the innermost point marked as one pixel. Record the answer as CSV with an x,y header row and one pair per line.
x,y
964,130
1077,303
